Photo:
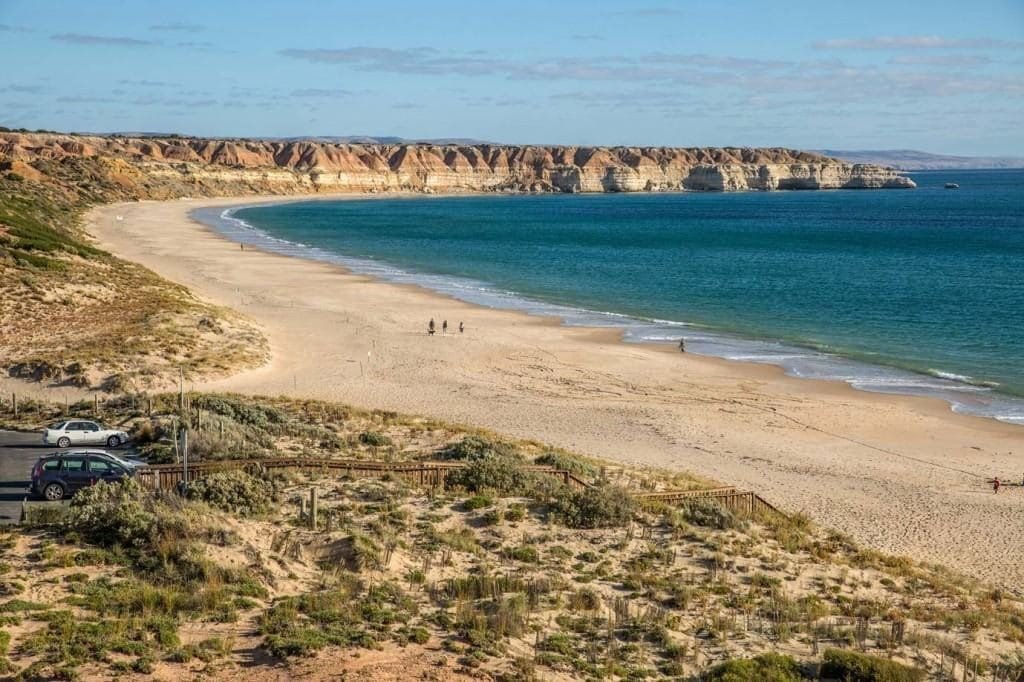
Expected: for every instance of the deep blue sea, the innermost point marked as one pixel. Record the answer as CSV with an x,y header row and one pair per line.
x,y
906,291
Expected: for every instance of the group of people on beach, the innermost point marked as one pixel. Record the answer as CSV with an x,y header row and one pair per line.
x,y
431,328
996,484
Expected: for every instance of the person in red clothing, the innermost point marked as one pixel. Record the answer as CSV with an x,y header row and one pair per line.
x,y
995,485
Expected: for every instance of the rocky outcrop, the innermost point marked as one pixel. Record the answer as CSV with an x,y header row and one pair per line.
x,y
166,167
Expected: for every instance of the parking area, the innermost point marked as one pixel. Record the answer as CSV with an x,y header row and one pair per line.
x,y
18,452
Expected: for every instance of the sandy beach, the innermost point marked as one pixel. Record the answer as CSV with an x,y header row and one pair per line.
x,y
902,475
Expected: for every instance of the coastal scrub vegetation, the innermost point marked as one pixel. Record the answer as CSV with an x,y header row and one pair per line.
x,y
74,315
504,571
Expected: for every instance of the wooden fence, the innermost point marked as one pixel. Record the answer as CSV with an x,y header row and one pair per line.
x,y
742,501
423,473
431,474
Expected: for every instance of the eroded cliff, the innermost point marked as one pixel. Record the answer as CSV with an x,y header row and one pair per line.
x,y
168,167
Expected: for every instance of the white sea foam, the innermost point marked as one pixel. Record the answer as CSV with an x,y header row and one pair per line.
x,y
963,393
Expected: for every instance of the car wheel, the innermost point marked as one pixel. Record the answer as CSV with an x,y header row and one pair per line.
x,y
54,492
113,441
63,442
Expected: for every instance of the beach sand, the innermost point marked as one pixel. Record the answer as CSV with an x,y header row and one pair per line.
x,y
899,474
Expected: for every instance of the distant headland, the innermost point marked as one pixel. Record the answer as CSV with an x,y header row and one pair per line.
x,y
910,160
167,167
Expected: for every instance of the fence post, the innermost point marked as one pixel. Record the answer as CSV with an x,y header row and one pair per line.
x,y
14,404
314,508
184,456
96,403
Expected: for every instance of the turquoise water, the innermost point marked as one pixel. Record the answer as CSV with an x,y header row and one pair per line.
x,y
918,291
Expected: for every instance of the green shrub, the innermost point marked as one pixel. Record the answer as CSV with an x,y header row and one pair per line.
x,y
499,473
41,517
515,512
234,491
602,506
374,438
463,540
585,599
526,553
567,462
240,409
69,641
559,643
485,624
767,667
114,514
20,605
345,616
154,534
852,666
473,448
478,502
357,552
709,514
493,517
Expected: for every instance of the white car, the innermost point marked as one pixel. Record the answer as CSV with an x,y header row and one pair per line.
x,y
81,432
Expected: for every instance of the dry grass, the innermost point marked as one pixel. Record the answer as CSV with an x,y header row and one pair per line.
x,y
484,581
72,314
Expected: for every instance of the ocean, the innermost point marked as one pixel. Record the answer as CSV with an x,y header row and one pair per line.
x,y
917,292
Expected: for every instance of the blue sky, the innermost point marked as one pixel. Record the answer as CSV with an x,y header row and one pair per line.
x,y
936,75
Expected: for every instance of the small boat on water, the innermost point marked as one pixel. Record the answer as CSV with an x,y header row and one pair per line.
x,y
951,185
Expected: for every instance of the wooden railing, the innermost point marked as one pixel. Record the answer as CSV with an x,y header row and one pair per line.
x,y
423,473
432,474
743,501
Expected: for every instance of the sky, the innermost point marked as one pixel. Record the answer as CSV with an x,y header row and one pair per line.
x,y
934,75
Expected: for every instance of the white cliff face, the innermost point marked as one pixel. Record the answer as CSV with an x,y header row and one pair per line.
x,y
179,166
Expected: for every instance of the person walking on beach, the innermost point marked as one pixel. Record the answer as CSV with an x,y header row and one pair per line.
x,y
444,327
995,485
682,345
430,327
460,327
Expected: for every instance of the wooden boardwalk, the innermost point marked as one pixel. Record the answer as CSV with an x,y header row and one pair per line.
x,y
742,501
424,473
432,474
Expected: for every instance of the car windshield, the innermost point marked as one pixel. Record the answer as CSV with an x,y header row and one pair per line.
x,y
57,426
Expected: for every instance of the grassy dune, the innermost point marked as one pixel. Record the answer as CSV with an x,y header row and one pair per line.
x,y
72,314
505,573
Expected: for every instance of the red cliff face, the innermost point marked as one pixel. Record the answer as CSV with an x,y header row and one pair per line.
x,y
187,166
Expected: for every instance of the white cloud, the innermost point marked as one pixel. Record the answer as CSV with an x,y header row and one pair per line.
x,y
86,39
916,43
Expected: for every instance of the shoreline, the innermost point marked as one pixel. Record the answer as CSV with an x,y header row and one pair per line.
x,y
961,395
902,474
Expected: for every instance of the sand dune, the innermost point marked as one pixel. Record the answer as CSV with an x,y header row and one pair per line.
x,y
903,475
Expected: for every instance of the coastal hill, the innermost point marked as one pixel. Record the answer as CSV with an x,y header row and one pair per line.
x,y
910,159
178,166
